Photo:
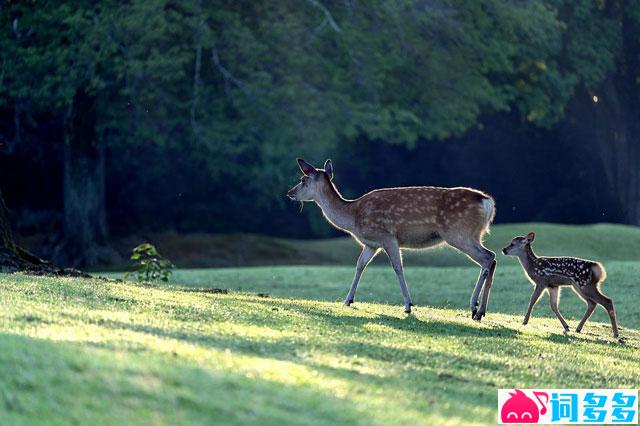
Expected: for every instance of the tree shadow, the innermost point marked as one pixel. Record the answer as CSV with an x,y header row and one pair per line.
x,y
68,378
326,316
450,383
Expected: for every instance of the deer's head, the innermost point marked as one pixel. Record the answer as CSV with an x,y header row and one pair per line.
x,y
519,244
312,182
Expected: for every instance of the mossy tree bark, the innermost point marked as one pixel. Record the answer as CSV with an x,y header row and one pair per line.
x,y
12,257
6,237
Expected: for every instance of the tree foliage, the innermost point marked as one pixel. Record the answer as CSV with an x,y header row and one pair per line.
x,y
253,83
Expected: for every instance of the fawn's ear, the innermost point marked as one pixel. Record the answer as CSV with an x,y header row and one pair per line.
x,y
531,236
328,169
306,168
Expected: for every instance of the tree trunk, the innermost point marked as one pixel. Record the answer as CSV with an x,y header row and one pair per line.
x,y
13,258
6,237
631,45
84,233
604,121
617,125
10,257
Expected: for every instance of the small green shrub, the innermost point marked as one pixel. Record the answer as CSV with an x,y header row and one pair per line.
x,y
149,264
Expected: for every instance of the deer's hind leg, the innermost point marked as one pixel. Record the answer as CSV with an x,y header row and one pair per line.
x,y
593,293
591,306
486,288
486,259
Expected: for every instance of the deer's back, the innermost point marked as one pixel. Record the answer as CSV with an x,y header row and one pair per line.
x,y
566,271
417,216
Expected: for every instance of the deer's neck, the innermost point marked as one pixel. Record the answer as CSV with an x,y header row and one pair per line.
x,y
337,210
527,258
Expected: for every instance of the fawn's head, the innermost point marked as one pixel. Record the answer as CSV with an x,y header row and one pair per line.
x,y
312,182
519,244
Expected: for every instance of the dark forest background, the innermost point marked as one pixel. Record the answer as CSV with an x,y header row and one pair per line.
x,y
124,117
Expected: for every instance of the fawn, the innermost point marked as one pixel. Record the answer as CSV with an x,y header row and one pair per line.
x,y
417,217
550,273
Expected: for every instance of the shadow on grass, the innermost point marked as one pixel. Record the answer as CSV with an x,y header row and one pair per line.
x,y
467,378
63,382
396,304
326,316
421,373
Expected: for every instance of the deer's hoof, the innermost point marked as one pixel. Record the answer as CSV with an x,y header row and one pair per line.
x,y
473,312
348,302
478,316
407,309
578,330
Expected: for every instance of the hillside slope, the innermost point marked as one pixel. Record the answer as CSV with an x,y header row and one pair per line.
x,y
78,351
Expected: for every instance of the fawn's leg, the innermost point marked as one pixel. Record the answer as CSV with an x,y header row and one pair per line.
x,y
591,306
487,261
535,296
593,293
554,297
393,251
367,255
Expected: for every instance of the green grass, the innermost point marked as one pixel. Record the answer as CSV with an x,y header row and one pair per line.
x,y
602,241
78,351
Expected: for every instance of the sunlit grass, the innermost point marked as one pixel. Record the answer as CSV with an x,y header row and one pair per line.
x,y
97,352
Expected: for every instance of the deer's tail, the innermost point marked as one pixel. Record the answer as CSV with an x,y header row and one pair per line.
x,y
599,272
488,211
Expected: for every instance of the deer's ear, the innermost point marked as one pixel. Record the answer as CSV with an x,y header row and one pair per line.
x,y
306,168
531,236
328,169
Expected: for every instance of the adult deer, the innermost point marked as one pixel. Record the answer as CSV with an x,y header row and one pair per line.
x,y
414,217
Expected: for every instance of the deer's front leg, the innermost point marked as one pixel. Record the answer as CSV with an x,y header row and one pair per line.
x,y
554,295
367,255
393,251
535,296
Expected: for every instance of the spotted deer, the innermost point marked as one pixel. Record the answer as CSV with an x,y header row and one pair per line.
x,y
551,273
415,217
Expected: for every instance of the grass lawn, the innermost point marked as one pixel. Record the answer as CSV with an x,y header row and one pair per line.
x,y
280,347
198,250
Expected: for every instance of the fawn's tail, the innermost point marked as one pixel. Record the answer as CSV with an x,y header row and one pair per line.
x,y
599,272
